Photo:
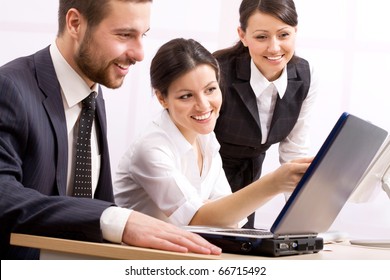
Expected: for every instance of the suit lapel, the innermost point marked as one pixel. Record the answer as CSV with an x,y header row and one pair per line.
x,y
282,106
104,189
101,120
243,87
53,104
282,109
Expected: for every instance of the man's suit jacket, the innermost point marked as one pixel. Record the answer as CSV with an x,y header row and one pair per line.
x,y
34,156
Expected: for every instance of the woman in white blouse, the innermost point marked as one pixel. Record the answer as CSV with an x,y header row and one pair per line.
x,y
174,171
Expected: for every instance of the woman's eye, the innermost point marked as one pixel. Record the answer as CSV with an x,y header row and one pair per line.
x,y
211,90
284,35
185,96
261,37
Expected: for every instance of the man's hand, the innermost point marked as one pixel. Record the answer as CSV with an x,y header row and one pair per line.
x,y
144,231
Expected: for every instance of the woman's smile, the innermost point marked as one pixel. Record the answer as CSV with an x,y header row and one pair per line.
x,y
203,117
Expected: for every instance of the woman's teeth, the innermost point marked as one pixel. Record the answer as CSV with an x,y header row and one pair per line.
x,y
202,117
274,57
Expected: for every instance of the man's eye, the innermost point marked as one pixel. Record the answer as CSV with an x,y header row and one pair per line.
x,y
125,35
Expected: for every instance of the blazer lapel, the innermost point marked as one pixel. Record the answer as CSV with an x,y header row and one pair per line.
x,y
283,107
243,87
53,104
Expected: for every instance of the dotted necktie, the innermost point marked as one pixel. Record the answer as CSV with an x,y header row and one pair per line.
x,y
82,186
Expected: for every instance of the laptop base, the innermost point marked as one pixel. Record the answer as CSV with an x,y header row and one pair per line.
x,y
266,246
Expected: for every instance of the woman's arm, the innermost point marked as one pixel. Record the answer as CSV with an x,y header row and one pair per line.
x,y
230,210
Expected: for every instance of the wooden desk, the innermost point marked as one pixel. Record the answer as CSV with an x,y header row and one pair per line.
x,y
54,248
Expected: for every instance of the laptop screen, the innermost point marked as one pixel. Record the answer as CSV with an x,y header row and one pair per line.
x,y
331,178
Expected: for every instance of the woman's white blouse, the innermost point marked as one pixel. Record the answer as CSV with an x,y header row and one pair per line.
x,y
159,174
297,143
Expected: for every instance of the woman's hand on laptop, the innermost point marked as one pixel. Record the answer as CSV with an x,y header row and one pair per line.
x,y
287,176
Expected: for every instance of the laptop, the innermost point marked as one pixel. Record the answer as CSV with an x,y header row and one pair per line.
x,y
318,198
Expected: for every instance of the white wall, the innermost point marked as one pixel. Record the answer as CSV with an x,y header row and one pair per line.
x,y
346,40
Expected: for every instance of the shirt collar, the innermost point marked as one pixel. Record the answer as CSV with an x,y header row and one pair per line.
x,y
259,83
76,90
207,141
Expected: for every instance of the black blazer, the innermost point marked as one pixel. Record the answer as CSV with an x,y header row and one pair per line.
x,y
238,127
34,156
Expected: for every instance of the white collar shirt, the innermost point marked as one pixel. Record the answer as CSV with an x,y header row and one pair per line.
x,y
113,219
297,143
266,94
72,95
159,174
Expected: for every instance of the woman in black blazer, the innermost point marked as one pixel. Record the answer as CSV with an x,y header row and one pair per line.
x,y
268,92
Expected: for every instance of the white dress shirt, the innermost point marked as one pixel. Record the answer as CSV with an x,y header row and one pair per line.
x,y
159,174
297,143
74,90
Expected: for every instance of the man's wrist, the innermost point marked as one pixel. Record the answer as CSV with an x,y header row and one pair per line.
x,y
113,222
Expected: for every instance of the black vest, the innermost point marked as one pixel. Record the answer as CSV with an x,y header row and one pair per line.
x,y
238,126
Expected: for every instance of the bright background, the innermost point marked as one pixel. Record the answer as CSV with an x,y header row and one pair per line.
x,y
347,41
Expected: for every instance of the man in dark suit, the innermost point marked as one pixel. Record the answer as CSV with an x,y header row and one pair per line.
x,y
40,97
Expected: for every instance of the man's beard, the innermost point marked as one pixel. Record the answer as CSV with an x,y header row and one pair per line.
x,y
92,66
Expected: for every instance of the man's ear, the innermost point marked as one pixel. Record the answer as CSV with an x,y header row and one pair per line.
x,y
74,22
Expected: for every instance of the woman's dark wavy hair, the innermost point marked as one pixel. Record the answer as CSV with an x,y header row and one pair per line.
x,y
176,58
281,9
